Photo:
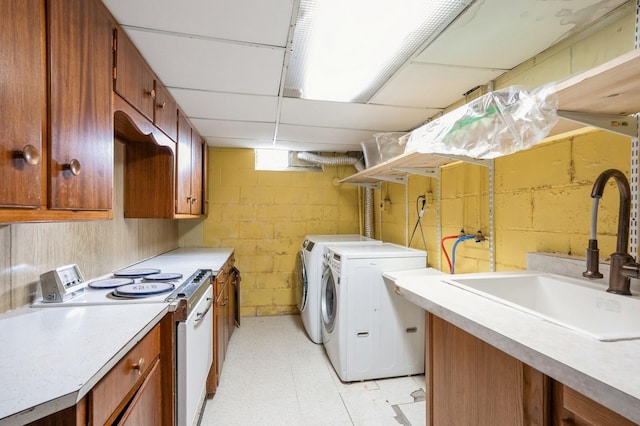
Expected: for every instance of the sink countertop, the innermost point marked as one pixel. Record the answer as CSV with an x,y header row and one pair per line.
x,y
51,357
603,371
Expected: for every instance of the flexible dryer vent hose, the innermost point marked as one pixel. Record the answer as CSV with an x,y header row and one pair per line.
x,y
346,161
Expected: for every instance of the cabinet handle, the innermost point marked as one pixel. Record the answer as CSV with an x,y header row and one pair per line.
x,y
194,200
151,93
73,166
162,105
29,154
139,366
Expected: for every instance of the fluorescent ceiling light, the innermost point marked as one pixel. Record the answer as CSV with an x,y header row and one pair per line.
x,y
344,50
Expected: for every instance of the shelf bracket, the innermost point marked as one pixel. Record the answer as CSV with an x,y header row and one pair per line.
x,y
393,179
476,161
431,172
626,125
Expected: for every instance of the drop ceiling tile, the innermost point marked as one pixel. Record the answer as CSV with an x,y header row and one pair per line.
x,y
220,142
233,129
226,106
268,144
264,21
381,118
432,86
348,138
211,65
503,34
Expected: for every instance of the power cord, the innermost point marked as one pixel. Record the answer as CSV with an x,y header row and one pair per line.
x,y
420,211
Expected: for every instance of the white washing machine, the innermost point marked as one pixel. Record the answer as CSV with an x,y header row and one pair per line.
x,y
310,277
369,331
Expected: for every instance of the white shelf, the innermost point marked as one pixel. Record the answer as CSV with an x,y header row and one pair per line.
x,y
603,97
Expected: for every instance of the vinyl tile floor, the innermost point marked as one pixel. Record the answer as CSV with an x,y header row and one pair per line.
x,y
275,375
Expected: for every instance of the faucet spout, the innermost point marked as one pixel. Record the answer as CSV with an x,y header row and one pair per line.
x,y
622,263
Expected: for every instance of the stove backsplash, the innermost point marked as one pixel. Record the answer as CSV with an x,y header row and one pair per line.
x,y
29,249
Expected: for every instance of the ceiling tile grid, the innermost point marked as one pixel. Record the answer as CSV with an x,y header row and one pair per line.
x,y
224,60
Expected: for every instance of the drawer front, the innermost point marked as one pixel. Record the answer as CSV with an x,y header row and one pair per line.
x,y
113,391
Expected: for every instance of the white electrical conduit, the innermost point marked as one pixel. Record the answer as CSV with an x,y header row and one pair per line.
x,y
347,161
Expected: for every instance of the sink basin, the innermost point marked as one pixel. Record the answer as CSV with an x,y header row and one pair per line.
x,y
564,301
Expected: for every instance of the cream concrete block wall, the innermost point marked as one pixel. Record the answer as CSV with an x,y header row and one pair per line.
x,y
542,196
265,216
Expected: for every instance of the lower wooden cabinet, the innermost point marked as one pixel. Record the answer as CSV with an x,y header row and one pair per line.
x,y
118,389
138,390
224,320
571,408
470,382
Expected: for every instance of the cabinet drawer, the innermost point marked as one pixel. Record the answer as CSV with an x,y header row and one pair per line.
x,y
117,385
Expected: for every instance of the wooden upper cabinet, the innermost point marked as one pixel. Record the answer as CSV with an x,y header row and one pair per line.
x,y
22,100
135,82
165,115
81,119
183,169
133,78
190,171
198,175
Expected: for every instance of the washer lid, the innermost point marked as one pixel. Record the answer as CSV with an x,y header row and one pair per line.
x,y
135,273
143,289
110,283
163,276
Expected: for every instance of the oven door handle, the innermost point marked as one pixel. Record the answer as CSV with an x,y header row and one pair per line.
x,y
200,315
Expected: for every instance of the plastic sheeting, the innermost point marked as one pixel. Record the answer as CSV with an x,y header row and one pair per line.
x,y
496,124
382,147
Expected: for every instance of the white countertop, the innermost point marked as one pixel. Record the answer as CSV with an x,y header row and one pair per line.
x,y
606,372
51,357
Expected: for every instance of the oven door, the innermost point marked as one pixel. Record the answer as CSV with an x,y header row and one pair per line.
x,y
194,356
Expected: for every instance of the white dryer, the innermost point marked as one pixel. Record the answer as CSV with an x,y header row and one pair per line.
x,y
369,331
310,276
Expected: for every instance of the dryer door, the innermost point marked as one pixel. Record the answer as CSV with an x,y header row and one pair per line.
x,y
329,299
302,282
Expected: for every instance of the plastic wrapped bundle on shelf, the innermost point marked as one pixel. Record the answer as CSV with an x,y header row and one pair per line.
x,y
496,124
382,147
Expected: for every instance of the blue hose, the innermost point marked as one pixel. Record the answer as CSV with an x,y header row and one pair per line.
x,y
453,250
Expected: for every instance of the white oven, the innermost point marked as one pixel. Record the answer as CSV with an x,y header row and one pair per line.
x,y
194,356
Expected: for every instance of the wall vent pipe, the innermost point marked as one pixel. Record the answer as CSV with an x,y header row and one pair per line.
x,y
346,161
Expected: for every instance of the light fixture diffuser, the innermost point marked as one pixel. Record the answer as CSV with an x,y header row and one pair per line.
x,y
344,50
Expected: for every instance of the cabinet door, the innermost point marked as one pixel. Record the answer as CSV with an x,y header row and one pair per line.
x,y
166,112
473,383
183,169
133,78
197,175
22,92
81,122
146,407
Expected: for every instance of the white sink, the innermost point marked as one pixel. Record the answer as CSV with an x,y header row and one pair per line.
x,y
568,302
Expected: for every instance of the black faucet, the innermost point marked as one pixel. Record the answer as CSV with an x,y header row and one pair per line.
x,y
623,266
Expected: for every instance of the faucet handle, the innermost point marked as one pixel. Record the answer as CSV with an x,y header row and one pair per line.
x,y
593,261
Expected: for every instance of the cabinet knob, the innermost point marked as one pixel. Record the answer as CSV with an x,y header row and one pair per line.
x,y
194,200
29,154
162,105
73,166
151,93
139,366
